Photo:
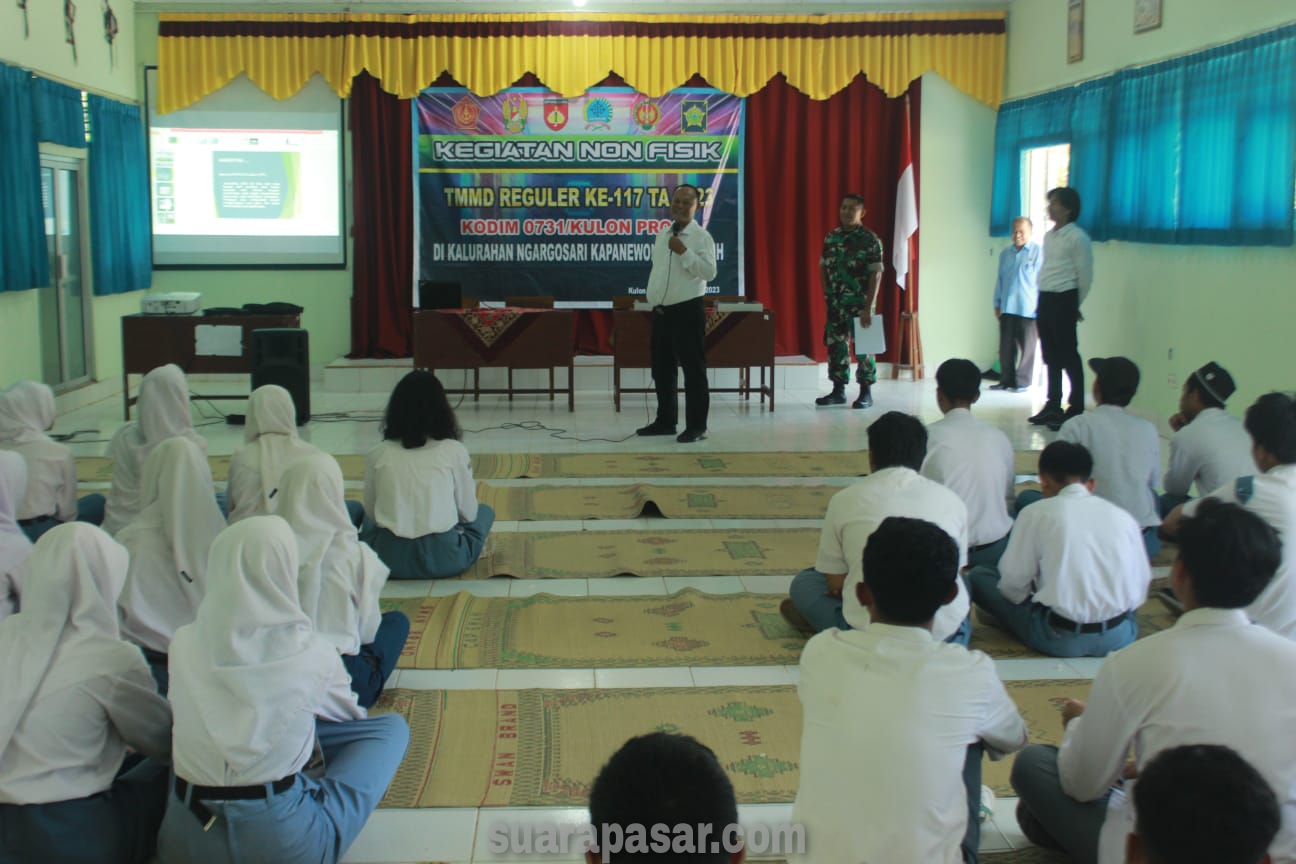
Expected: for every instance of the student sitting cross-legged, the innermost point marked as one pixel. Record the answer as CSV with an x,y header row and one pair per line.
x,y
1212,678
1210,447
895,721
824,595
1075,568
254,692
423,518
340,577
15,548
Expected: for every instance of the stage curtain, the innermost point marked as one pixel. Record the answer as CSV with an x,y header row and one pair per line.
x,y
802,156
382,297
818,55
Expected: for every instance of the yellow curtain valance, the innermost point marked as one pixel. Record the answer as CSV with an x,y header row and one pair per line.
x,y
199,53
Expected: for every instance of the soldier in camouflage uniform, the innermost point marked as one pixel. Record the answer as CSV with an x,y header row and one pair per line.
x,y
851,271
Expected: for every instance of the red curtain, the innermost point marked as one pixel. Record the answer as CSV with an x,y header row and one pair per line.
x,y
382,295
802,156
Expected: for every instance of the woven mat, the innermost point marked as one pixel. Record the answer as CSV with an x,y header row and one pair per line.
x,y
507,466
676,502
597,554
543,748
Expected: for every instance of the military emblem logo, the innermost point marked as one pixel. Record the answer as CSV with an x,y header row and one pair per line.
x,y
555,113
514,110
693,115
466,114
598,113
646,114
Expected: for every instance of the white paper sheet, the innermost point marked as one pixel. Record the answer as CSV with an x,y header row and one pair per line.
x,y
211,340
871,339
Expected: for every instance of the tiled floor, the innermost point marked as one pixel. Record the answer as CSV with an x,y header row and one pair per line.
x,y
526,425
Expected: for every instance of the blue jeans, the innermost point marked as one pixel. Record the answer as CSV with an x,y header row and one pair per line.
x,y
1073,825
119,824
432,556
1029,622
989,555
1028,497
356,511
371,668
823,612
314,822
1151,542
972,782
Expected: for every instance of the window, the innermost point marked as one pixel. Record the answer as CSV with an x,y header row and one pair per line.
x,y
1043,168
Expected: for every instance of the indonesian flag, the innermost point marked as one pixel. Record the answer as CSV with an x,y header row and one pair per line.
x,y
906,207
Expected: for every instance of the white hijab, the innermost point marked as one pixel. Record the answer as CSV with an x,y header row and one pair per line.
x,y
339,578
272,427
14,545
26,412
168,543
251,658
67,630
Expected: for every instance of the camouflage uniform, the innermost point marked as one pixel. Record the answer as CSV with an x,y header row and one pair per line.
x,y
850,257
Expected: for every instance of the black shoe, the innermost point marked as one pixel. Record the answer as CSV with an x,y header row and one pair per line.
x,y
688,436
1049,412
865,398
655,428
836,397
1001,386
1074,411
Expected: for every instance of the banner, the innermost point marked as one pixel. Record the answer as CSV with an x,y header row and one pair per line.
x,y
528,193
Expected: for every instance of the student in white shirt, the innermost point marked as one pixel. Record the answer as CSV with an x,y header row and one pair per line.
x,y
423,518
1212,678
340,578
973,459
1075,570
254,689
270,445
15,548
163,413
1210,447
894,719
823,596
663,779
168,544
1126,449
27,414
1230,813
75,698
1270,494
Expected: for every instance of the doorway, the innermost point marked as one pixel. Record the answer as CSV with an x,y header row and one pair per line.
x,y
64,304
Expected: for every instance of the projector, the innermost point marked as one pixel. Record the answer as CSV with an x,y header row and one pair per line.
x,y
174,303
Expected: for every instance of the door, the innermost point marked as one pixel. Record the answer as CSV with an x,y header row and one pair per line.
x,y
64,303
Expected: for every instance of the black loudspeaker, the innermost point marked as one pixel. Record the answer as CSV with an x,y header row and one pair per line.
x,y
440,295
281,355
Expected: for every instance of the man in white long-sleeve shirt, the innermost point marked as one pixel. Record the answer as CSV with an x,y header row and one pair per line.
x,y
1210,447
1200,682
1064,282
683,259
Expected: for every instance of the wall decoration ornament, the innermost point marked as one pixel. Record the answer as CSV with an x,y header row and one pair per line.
x,y
22,4
1075,31
69,20
1147,15
110,30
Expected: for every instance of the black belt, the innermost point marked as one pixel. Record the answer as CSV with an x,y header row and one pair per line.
x,y
200,794
1058,622
985,545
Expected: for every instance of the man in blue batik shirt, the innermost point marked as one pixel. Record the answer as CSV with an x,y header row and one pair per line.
x,y
1016,296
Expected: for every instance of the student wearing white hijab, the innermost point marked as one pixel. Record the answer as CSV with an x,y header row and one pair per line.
x,y
253,688
26,415
75,697
168,543
163,413
14,545
339,578
270,445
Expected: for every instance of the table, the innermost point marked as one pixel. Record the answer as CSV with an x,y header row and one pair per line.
x,y
497,338
150,341
739,340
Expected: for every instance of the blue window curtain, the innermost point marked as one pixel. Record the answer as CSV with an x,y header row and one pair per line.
x,y
60,118
1199,149
119,200
24,256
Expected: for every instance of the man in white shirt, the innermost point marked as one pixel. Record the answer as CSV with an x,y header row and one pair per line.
x,y
972,459
893,718
823,596
1064,282
1075,569
1210,447
1271,495
683,259
1231,814
1212,678
1126,449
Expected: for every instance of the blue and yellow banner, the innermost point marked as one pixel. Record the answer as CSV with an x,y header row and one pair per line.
x,y
529,193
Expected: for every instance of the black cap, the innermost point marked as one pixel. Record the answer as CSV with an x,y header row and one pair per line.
x,y
1216,381
1118,378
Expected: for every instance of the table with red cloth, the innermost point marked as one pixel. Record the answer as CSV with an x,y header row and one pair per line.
x,y
506,338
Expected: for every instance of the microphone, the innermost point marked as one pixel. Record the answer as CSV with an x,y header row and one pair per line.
x,y
676,228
